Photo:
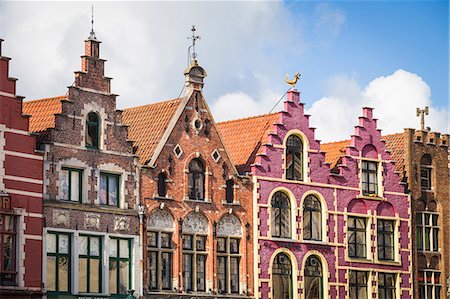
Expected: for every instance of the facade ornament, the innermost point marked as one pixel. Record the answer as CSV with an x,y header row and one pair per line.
x,y
92,220
61,217
229,225
122,224
422,113
195,223
160,220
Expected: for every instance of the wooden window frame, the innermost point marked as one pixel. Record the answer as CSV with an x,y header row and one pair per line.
x,y
228,255
358,285
424,286
422,226
57,256
194,253
355,230
160,250
117,178
383,288
80,185
117,260
366,171
381,244
88,256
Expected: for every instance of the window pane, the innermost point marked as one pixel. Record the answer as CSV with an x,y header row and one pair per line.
x,y
316,226
103,189
94,275
82,245
113,247
221,245
201,269
166,270
113,277
221,274
201,243
187,242
166,240
51,274
113,190
82,275
95,246
65,184
234,277
124,249
63,273
51,243
187,271
75,186
152,269
63,245
307,225
234,245
124,277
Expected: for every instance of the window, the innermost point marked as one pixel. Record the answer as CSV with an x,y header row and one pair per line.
x,y
356,237
369,178
119,266
281,215
358,285
196,180
160,252
194,263
312,219
7,250
430,284
58,262
425,172
282,277
162,186
228,265
89,264
294,158
385,239
92,130
109,189
71,184
229,191
427,231
313,278
386,285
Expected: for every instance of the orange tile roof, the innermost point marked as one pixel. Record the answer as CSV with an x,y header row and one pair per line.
x,y
147,125
43,112
334,151
395,144
243,137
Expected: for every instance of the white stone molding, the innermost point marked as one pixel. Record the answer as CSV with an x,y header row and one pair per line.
x,y
92,220
229,225
121,224
94,107
161,220
61,217
195,223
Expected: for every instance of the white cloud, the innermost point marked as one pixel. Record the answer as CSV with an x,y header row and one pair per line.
x,y
329,23
394,97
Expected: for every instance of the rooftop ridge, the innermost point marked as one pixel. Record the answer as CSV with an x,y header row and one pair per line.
x,y
248,118
153,104
47,99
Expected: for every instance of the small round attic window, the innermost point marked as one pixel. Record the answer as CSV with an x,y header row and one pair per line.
x,y
198,124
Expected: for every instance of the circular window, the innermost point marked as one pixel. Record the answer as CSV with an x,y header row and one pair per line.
x,y
198,124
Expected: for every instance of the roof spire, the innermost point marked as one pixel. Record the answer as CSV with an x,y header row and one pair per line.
x,y
422,113
92,34
194,38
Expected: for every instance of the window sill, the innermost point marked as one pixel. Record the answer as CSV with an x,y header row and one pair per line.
x,y
430,251
372,197
206,200
278,239
388,262
314,242
236,203
159,198
88,207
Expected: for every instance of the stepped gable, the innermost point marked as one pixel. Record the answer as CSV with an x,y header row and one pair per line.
x,y
43,112
147,125
243,138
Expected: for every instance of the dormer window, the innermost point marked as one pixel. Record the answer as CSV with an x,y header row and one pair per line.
x,y
196,180
229,191
425,172
162,186
369,178
92,130
294,158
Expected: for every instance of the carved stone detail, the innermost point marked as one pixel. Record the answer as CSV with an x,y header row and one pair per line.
x,y
229,225
61,217
92,220
122,224
160,219
195,223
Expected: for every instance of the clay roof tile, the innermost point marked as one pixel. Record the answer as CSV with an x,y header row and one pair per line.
x,y
43,112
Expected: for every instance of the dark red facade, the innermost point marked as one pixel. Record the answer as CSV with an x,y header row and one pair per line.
x,y
21,182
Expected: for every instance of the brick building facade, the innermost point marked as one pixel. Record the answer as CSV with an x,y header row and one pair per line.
x,y
198,237
91,246
20,196
326,225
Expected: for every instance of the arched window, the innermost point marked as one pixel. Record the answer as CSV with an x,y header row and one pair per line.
x,y
92,130
294,158
162,187
281,215
282,277
425,172
196,180
313,278
229,193
312,219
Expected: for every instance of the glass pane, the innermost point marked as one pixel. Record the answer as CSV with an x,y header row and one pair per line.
x,y
65,184
165,240
285,223
360,223
94,276
187,242
75,186
221,274
95,246
221,245
113,247
51,243
316,226
124,277
113,190
152,269
113,276
234,245
103,189
8,253
152,239
82,245
201,243
201,269
166,270
82,275
51,274
63,245
187,271
124,248
234,277
307,225
63,274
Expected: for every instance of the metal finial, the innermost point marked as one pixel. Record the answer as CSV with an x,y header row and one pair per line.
x,y
422,113
92,34
194,38
292,82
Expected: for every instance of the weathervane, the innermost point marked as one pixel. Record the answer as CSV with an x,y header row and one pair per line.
x,y
194,38
422,113
292,82
92,34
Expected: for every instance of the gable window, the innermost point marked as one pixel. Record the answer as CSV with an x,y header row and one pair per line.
x,y
385,239
228,264
7,250
294,158
229,191
58,262
160,252
358,284
425,172
92,130
313,278
194,262
162,186
282,277
356,237
281,215
89,264
109,189
312,219
430,284
196,180
369,178
427,231
71,184
386,285
119,266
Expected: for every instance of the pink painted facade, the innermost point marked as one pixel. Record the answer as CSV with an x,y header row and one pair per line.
x,y
341,197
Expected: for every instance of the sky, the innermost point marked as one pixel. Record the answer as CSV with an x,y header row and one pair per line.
x,y
389,55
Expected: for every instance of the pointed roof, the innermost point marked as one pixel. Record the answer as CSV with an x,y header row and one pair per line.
x,y
43,112
147,125
243,137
